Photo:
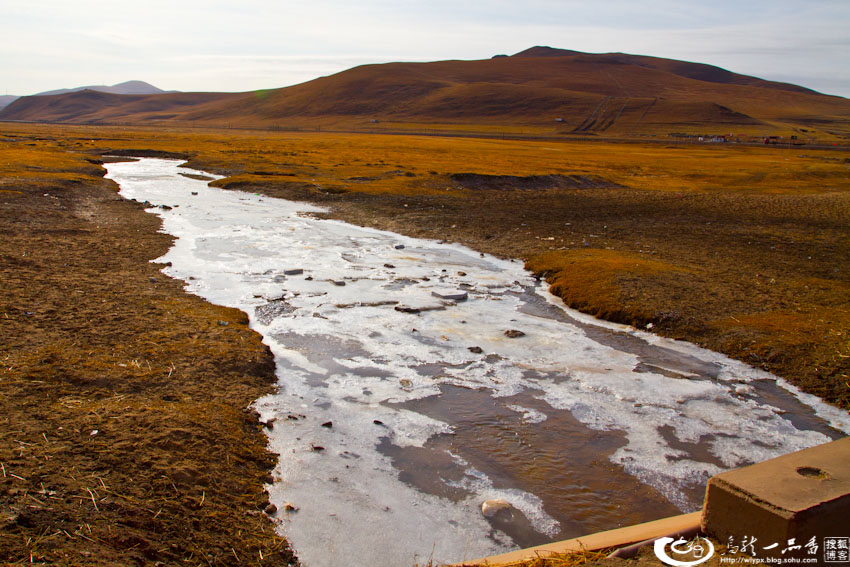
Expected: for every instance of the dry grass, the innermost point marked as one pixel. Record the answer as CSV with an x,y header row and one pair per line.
x,y
126,436
693,238
334,159
43,163
741,249
572,559
586,279
566,560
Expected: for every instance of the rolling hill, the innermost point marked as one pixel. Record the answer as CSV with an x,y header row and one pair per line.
x,y
6,100
128,87
565,92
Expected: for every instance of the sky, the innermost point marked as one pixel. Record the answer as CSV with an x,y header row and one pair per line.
x,y
244,45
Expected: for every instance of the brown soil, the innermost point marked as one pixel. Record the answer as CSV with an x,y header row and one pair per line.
x,y
478,181
126,434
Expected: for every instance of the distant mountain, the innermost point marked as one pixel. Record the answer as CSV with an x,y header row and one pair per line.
x,y
6,100
611,94
129,87
126,88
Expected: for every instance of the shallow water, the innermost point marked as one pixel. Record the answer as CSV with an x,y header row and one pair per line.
x,y
401,410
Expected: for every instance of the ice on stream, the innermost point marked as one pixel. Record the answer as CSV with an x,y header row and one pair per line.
x,y
359,325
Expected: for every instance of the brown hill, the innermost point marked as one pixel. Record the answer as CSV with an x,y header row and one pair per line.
x,y
699,71
95,106
6,100
127,87
568,91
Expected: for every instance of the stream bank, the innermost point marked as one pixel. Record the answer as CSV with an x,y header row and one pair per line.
x,y
126,436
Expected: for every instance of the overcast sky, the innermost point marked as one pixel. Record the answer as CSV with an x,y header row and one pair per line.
x,y
242,45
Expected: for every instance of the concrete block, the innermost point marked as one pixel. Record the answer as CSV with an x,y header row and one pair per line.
x,y
797,496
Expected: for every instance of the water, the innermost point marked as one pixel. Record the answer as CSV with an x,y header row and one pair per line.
x,y
403,404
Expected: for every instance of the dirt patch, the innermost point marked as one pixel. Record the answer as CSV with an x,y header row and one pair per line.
x,y
147,153
197,177
528,182
127,436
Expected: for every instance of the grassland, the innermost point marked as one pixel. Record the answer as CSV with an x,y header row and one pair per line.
x,y
741,249
112,450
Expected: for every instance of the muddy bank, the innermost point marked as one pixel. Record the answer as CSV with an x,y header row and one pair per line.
x,y
528,182
126,432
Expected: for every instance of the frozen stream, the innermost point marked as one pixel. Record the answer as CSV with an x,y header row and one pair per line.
x,y
404,405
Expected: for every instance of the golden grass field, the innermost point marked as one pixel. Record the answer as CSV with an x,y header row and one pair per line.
x,y
742,249
112,450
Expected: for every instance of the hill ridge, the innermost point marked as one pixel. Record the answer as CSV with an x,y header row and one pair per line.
x,y
127,87
564,91
692,70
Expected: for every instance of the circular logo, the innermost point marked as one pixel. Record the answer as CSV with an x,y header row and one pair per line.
x,y
696,551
